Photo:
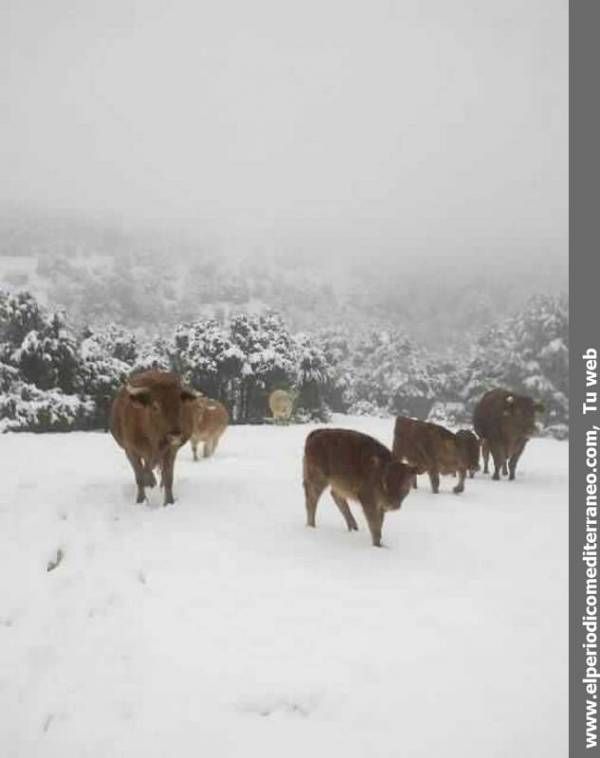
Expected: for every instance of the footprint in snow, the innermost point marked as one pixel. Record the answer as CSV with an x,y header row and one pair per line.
x,y
288,706
56,561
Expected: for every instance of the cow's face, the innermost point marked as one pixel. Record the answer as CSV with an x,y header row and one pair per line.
x,y
520,411
165,403
396,482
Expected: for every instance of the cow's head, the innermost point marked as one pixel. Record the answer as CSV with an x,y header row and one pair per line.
x,y
163,396
520,410
396,482
470,447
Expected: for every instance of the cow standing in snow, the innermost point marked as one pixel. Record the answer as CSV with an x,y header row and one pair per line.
x,y
505,421
281,404
151,418
435,450
210,421
356,467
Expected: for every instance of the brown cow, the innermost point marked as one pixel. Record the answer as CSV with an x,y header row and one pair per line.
x,y
434,450
505,421
210,421
151,418
356,467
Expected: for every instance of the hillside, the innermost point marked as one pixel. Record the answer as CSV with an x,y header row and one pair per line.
x,y
141,278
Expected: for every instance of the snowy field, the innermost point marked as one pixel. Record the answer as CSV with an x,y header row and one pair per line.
x,y
222,626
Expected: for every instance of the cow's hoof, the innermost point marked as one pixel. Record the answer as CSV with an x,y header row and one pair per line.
x,y
458,490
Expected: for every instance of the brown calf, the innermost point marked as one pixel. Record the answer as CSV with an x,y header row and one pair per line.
x,y
210,421
356,467
151,418
435,450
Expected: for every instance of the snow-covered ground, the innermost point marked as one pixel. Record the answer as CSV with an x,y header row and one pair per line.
x,y
222,626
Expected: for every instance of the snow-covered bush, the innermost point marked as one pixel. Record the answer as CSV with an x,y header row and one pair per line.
x,y
451,415
367,408
101,373
153,355
20,314
26,408
241,359
528,353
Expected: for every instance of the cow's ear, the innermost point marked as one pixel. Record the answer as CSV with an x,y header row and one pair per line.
x,y
539,407
188,394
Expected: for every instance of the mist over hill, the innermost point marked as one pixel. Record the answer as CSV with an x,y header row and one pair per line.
x,y
149,278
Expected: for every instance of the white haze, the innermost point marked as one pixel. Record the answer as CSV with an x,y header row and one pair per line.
x,y
378,128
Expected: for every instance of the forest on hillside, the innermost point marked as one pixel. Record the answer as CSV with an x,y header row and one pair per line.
x,y
100,273
59,375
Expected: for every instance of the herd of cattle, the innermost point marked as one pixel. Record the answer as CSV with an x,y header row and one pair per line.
x,y
155,414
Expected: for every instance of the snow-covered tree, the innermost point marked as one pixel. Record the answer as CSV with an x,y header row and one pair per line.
x,y
48,355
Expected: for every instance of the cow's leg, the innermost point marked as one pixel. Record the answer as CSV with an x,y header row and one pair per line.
x,y
206,451
313,489
149,478
195,448
434,478
342,504
499,456
471,473
462,473
140,475
374,516
485,452
514,459
167,466
414,484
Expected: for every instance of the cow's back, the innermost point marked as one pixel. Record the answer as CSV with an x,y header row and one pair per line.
x,y
344,454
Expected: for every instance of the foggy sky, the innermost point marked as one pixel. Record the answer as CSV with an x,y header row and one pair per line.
x,y
328,120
